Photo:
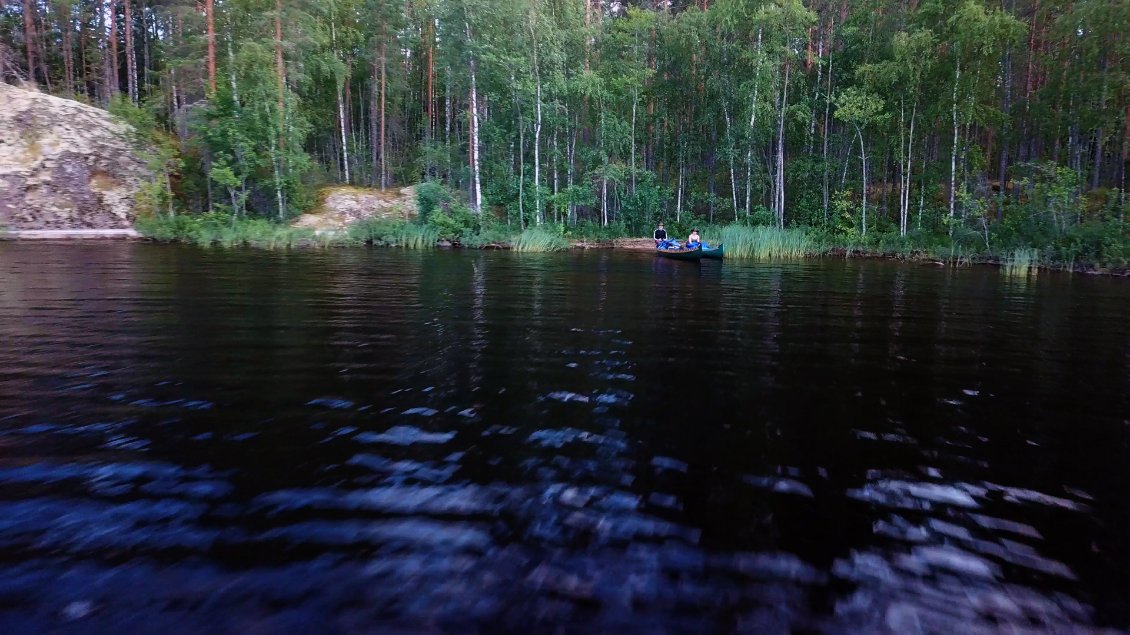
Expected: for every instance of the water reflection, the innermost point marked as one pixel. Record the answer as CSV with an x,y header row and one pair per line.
x,y
350,441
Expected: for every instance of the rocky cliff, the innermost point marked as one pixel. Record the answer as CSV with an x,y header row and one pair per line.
x,y
64,165
340,205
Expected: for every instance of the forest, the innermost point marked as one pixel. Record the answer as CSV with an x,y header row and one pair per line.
x,y
976,124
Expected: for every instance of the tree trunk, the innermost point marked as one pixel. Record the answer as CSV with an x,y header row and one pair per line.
x,y
780,204
904,194
953,154
827,112
431,44
521,127
65,23
539,215
275,159
679,186
730,156
84,85
115,80
210,27
476,183
384,119
635,105
344,134
1006,130
131,59
280,70
29,38
863,154
752,125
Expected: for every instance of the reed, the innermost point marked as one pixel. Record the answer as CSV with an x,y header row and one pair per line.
x,y
766,243
1021,263
539,239
414,236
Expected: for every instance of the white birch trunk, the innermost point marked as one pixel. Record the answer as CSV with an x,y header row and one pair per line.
x,y
521,159
752,123
275,169
781,151
905,215
384,118
344,140
953,155
827,117
635,104
863,154
476,184
730,156
679,188
539,214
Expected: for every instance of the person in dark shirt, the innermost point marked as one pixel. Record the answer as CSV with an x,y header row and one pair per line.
x,y
660,234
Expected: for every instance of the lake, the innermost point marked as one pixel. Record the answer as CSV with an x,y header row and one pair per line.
x,y
367,440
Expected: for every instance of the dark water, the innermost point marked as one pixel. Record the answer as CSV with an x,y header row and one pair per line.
x,y
379,441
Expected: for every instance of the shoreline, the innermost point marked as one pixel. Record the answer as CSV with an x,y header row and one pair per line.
x,y
71,234
619,244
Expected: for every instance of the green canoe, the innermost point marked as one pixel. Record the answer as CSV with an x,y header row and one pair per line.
x,y
681,254
717,252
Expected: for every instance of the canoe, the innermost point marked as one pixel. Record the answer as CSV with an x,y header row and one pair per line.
x,y
716,252
681,254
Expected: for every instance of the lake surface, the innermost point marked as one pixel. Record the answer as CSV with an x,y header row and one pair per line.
x,y
364,441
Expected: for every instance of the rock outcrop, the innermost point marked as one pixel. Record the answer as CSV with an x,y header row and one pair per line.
x,y
65,165
339,206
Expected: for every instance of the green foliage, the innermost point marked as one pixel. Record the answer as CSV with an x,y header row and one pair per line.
x,y
158,149
430,196
595,232
1105,244
497,236
454,222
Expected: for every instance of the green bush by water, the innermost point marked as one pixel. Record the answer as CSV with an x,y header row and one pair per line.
x,y
494,236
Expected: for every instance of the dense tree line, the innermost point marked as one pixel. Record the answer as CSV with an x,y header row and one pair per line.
x,y
853,115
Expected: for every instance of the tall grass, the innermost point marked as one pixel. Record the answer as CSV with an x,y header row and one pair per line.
x,y
1021,263
391,233
415,236
207,230
539,239
766,243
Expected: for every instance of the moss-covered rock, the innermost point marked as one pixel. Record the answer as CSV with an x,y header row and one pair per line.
x,y
65,165
340,205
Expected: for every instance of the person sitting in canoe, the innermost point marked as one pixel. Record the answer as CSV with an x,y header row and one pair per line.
x,y
694,239
660,235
